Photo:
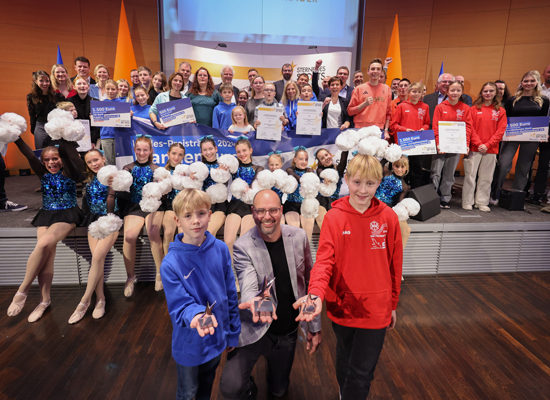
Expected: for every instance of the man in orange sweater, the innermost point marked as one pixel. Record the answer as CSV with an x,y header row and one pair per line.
x,y
371,102
361,296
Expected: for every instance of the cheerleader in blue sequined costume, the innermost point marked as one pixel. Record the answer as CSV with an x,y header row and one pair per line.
x,y
176,152
219,210
392,188
142,171
293,203
58,172
324,161
99,201
274,162
239,214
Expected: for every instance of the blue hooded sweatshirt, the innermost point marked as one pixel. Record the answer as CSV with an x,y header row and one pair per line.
x,y
193,275
222,115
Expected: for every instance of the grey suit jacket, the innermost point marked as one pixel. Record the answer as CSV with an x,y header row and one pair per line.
x,y
279,89
252,263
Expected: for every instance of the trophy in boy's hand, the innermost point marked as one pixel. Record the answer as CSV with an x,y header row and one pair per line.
x,y
264,304
206,320
308,305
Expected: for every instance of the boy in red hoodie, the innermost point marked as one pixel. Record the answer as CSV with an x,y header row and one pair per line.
x,y
361,295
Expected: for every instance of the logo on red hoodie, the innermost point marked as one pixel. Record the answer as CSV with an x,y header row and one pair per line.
x,y
421,113
460,114
495,115
378,235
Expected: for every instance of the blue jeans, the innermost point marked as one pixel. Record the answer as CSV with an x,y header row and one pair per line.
x,y
197,381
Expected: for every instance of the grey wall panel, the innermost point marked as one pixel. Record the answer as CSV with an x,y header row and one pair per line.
x,y
535,251
421,254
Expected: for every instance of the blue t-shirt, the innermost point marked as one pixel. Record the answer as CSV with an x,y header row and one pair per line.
x,y
222,116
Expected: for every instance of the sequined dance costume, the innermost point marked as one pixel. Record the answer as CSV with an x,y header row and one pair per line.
x,y
247,172
295,197
142,173
389,190
100,200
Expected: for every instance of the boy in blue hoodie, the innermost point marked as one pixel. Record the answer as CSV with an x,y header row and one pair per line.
x,y
196,271
222,112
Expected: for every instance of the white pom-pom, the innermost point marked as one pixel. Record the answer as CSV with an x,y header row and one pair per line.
x,y
330,174
16,120
220,175
59,113
309,185
217,193
327,190
393,153
181,170
190,183
369,131
54,128
264,180
105,226
309,208
279,175
366,147
347,140
238,187
289,186
200,169
180,173
229,161
122,181
411,205
401,211
151,194
164,178
105,174
73,131
8,133
248,196
381,149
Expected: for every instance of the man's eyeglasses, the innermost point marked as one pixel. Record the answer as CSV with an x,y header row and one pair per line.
x,y
272,211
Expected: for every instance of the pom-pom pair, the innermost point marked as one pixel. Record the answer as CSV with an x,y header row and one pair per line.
x,y
105,226
189,176
119,180
11,127
61,125
163,177
405,208
151,195
228,165
309,188
330,180
284,182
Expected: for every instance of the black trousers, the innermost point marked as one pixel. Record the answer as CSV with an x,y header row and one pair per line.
x,y
542,171
235,383
357,353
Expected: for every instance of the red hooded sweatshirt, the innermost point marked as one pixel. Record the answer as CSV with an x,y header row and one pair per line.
x,y
459,112
359,264
489,125
410,116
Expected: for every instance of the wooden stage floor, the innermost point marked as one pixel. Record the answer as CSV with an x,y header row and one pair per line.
x,y
457,337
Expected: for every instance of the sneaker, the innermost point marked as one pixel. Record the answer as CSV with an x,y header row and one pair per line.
x,y
445,204
535,199
466,207
546,209
493,202
11,206
484,208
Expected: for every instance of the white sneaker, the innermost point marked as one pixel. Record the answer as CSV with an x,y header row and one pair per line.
x,y
493,202
466,207
484,208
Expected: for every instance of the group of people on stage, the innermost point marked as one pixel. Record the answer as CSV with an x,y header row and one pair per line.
x,y
196,270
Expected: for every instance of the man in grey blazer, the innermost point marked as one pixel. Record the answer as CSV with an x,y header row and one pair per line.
x,y
276,251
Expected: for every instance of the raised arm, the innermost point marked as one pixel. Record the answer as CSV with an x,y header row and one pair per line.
x,y
34,162
73,165
343,163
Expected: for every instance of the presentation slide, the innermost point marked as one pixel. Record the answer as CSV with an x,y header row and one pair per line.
x,y
315,22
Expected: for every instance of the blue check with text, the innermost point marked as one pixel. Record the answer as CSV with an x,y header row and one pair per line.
x,y
417,143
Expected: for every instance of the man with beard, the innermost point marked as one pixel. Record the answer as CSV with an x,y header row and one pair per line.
x,y
287,72
268,251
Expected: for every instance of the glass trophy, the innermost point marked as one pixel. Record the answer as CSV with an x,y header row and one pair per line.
x,y
308,305
264,304
206,320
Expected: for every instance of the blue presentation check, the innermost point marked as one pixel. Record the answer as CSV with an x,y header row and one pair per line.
x,y
176,112
113,114
526,129
417,143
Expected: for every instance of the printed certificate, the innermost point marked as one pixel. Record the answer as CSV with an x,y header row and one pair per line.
x,y
271,125
452,137
309,119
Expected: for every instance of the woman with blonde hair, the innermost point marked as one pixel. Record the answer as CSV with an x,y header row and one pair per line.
x,y
61,83
527,102
102,75
291,96
124,93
